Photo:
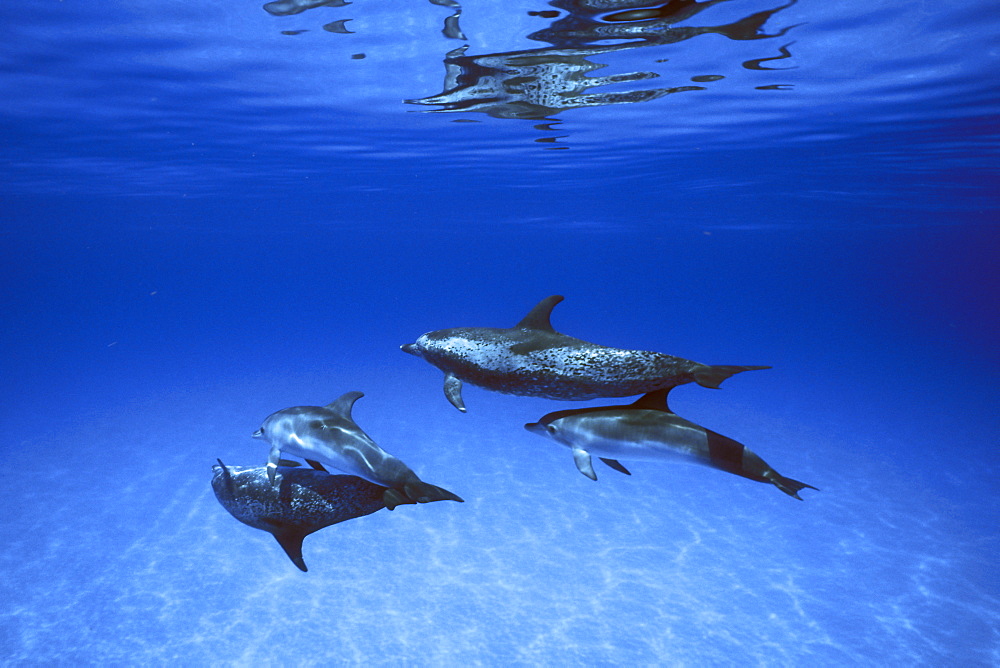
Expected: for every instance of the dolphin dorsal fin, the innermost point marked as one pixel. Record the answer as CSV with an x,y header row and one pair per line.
x,y
342,405
538,317
655,400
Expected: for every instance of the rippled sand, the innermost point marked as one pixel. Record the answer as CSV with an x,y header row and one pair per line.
x,y
129,559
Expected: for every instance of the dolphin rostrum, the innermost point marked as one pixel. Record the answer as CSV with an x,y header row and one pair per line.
x,y
302,502
329,435
649,430
532,359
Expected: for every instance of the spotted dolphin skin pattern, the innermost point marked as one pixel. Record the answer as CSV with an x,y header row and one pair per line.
x,y
532,359
328,435
649,430
303,501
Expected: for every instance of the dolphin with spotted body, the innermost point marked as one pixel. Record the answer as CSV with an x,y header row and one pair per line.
x,y
303,501
532,359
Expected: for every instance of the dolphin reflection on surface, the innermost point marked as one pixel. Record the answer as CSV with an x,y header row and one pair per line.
x,y
539,83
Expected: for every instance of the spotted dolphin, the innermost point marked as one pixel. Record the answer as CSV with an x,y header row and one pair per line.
x,y
329,435
649,430
532,359
303,501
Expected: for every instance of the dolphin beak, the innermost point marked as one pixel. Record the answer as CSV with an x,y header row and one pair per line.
x,y
259,433
410,348
536,428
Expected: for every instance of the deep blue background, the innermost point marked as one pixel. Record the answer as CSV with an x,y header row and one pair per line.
x,y
205,220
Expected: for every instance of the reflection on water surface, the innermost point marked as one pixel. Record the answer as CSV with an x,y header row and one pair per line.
x,y
540,83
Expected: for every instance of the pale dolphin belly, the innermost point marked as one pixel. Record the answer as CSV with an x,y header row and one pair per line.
x,y
644,442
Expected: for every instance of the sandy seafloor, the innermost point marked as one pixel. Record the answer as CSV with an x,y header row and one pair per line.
x,y
118,552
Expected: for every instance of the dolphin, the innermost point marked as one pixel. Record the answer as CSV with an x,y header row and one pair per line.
x,y
532,359
302,502
649,430
329,435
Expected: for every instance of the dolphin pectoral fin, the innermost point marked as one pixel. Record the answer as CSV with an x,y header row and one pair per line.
x,y
787,485
290,463
272,462
582,459
538,317
290,541
712,376
453,390
316,465
616,465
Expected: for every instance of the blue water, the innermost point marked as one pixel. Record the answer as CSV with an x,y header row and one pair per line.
x,y
210,212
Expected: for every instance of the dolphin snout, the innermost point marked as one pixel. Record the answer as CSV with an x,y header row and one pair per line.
x,y
259,433
410,348
536,428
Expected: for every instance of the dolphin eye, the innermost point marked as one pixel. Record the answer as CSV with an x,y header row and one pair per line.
x,y
550,429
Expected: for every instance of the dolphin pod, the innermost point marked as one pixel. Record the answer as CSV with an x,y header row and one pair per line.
x,y
530,359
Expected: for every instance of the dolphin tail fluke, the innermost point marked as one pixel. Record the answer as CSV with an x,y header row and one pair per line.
x,y
788,486
417,492
290,541
712,376
421,492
